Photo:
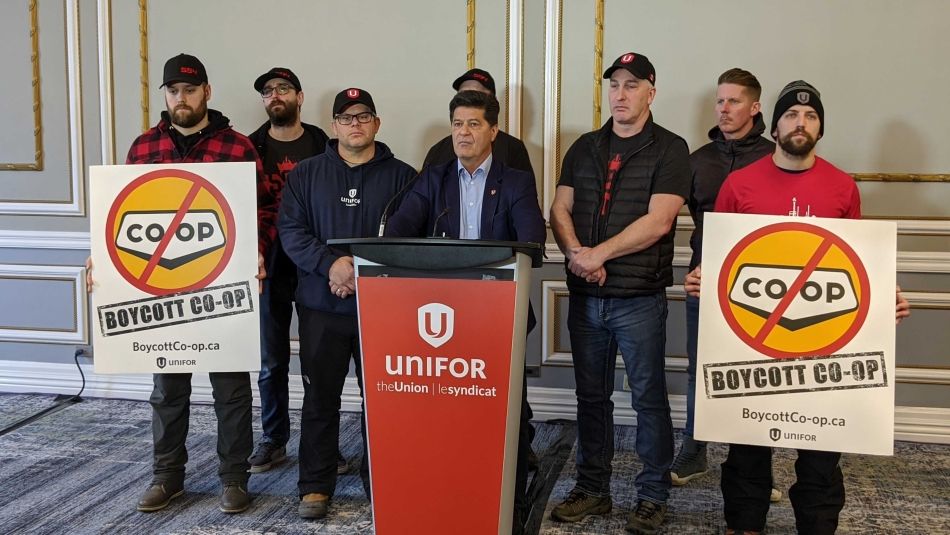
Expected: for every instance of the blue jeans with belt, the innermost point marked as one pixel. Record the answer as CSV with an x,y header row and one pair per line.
x,y
599,326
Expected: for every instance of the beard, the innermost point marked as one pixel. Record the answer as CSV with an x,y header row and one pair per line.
x,y
285,116
186,117
794,147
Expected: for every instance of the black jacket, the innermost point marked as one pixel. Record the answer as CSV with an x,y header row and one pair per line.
x,y
711,164
325,199
506,149
658,164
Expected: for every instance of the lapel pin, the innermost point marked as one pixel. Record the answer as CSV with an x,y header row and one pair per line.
x,y
493,192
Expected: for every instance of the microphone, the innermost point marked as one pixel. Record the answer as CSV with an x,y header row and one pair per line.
x,y
435,225
400,193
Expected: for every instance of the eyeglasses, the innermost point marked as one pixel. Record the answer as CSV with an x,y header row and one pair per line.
x,y
362,118
280,89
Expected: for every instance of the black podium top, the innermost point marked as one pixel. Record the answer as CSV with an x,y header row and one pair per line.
x,y
437,253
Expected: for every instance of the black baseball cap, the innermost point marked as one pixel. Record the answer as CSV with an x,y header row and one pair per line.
x,y
277,72
479,75
354,95
184,68
638,65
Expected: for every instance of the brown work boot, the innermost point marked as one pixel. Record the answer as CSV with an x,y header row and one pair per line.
x,y
313,505
158,495
234,498
579,504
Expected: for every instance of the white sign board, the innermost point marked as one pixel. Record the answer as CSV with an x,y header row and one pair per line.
x,y
796,333
174,252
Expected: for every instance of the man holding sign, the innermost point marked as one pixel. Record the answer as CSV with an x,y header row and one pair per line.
x,y
190,132
794,181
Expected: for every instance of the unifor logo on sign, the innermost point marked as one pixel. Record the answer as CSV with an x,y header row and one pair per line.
x,y
775,433
436,323
170,231
791,290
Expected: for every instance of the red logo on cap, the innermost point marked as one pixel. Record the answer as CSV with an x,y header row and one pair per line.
x,y
481,77
627,58
189,70
353,93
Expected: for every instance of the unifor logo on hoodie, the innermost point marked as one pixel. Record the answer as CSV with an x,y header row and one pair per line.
x,y
350,199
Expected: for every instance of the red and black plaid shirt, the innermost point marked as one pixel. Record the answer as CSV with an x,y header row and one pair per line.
x,y
217,143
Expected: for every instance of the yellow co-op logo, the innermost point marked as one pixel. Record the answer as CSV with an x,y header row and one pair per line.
x,y
794,289
170,231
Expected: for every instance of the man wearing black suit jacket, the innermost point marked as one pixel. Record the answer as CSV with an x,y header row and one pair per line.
x,y
477,197
506,148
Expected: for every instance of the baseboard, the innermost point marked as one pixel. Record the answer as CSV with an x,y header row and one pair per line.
x,y
915,424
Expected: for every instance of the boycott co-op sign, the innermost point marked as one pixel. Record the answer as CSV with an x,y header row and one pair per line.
x,y
797,318
175,254
818,299
174,220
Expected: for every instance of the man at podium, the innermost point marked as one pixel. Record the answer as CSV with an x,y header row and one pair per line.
x,y
475,197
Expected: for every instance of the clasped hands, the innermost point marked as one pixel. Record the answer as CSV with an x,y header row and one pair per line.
x,y
585,262
342,282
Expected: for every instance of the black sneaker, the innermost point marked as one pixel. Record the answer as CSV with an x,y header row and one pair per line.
x,y
266,456
690,463
579,504
647,518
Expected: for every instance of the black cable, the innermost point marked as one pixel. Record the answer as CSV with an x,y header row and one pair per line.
x,y
59,402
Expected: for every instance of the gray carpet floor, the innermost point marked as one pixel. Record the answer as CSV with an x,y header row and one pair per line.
x,y
81,470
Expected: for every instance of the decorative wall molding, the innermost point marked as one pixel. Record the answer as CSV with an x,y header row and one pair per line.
x,y
42,239
900,177
936,262
918,424
551,120
74,205
37,163
552,354
514,67
106,82
75,275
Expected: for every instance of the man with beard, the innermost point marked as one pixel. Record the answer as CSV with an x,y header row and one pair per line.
x,y
190,132
794,181
735,143
281,142
338,194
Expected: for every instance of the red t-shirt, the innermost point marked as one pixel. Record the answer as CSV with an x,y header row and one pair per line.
x,y
764,188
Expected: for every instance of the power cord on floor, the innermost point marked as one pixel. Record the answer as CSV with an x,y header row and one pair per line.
x,y
60,402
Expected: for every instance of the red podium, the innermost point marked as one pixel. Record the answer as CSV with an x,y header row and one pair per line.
x,y
442,333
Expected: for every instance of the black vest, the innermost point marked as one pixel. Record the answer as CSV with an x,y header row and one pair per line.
x,y
644,272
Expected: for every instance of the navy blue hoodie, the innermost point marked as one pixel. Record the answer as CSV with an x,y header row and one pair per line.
x,y
325,199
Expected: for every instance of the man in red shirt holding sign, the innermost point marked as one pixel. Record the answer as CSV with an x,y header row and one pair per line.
x,y
793,181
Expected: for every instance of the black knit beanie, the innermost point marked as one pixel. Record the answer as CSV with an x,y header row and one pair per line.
x,y
798,92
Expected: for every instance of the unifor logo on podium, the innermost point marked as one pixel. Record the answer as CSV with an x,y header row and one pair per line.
x,y
436,323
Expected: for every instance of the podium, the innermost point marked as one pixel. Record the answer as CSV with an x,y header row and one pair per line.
x,y
442,333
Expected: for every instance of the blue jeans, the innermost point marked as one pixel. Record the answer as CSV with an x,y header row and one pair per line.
x,y
637,326
692,334
276,313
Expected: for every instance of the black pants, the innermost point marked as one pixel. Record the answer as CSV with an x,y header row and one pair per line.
x,y
170,402
525,435
817,496
327,342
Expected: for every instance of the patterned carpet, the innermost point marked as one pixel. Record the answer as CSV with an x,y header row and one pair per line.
x,y
81,470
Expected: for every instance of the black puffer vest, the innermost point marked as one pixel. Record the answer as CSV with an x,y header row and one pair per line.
x,y
644,272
